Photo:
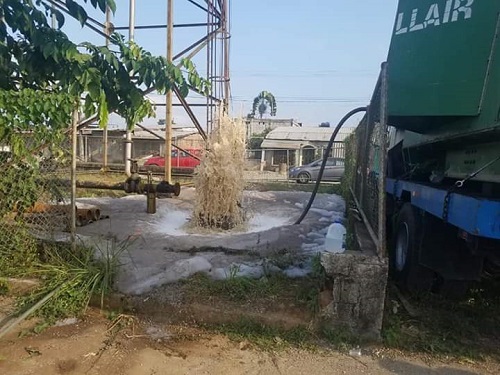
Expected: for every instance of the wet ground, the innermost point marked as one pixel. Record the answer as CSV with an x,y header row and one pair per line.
x,y
163,247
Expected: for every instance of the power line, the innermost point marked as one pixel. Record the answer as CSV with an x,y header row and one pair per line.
x,y
312,101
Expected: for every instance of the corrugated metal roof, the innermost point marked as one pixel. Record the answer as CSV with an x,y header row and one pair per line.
x,y
176,133
283,144
309,134
142,134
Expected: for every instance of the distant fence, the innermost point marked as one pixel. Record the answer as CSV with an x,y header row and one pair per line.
x,y
91,148
272,159
366,164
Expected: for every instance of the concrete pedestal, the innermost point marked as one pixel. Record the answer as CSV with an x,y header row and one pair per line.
x,y
358,295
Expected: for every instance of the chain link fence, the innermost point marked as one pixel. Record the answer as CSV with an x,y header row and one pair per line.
x,y
91,148
366,151
35,200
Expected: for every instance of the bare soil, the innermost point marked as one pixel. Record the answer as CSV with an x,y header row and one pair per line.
x,y
128,346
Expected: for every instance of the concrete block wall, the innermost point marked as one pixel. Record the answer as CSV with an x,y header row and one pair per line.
x,y
358,293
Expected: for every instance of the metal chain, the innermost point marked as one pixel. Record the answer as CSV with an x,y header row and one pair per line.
x,y
459,184
446,204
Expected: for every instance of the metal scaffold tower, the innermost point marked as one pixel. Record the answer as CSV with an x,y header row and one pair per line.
x,y
215,44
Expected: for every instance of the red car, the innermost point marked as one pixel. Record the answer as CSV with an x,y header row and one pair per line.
x,y
179,159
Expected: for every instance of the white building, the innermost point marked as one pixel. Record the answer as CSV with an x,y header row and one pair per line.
x,y
300,145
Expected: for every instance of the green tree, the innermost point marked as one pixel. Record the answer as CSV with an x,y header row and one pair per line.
x,y
262,103
35,56
255,141
44,77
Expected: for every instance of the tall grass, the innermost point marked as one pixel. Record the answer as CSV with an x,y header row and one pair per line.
x,y
75,278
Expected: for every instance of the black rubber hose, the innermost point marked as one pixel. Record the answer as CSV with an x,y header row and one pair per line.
x,y
325,159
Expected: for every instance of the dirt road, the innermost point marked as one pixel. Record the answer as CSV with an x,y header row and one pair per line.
x,y
131,347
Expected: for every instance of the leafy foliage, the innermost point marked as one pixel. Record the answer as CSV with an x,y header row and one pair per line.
x,y
33,55
254,143
31,118
19,254
264,101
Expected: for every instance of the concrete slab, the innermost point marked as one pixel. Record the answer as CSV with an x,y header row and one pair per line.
x,y
164,247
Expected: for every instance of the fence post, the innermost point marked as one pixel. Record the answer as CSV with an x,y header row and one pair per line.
x,y
74,134
382,251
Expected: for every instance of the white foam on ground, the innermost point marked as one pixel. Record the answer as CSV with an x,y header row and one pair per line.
x,y
263,222
174,222
329,211
171,222
181,269
261,195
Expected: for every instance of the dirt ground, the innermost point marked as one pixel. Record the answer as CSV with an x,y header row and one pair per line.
x,y
125,345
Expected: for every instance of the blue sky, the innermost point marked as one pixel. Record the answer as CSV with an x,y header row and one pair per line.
x,y
320,58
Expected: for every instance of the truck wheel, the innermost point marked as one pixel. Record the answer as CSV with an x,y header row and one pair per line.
x,y
303,178
407,271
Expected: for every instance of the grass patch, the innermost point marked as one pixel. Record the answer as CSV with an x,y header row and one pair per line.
x,y
68,279
76,277
303,292
238,289
269,338
109,178
4,287
266,337
99,193
339,338
293,186
102,177
309,292
467,329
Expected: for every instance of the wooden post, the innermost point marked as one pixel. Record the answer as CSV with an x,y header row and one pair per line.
x,y
74,134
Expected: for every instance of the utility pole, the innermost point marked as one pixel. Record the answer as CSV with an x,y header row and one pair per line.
x,y
168,107
226,35
128,136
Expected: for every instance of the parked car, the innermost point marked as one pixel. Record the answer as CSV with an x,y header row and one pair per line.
x,y
334,170
179,159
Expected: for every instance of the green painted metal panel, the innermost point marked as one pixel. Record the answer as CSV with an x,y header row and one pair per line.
x,y
461,163
440,61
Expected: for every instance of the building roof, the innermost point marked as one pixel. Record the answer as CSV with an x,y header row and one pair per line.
x,y
295,138
176,133
142,134
272,121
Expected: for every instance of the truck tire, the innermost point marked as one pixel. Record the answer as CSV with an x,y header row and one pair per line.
x,y
406,269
